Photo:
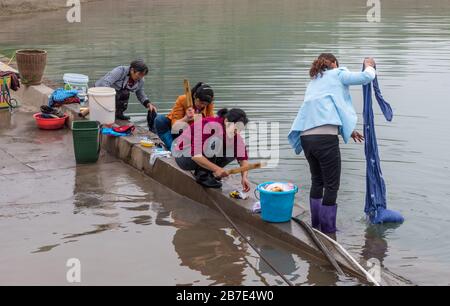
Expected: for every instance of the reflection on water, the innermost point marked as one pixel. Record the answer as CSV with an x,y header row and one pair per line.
x,y
257,57
211,252
114,225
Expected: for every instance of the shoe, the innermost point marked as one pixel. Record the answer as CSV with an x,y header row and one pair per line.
x,y
206,179
315,205
328,219
122,117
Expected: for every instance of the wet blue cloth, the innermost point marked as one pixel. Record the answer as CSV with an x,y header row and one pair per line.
x,y
376,188
60,94
111,132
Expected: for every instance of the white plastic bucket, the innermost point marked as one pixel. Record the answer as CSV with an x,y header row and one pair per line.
x,y
78,82
102,104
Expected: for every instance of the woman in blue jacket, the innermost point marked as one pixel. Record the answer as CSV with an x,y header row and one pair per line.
x,y
327,111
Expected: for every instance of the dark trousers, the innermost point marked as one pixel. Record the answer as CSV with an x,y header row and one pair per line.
x,y
324,158
122,98
186,163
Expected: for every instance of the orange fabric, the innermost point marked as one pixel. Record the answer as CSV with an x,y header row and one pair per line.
x,y
179,110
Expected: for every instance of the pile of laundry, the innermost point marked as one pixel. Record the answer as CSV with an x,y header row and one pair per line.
x,y
118,131
279,187
48,112
159,153
61,96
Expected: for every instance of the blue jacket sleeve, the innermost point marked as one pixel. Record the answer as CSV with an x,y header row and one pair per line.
x,y
357,78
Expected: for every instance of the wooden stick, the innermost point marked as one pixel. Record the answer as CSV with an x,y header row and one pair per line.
x,y
83,112
247,168
188,93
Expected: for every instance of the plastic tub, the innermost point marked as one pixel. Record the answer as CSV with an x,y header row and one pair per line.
x,y
50,123
276,206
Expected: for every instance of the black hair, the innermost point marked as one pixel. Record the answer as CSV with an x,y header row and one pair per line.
x,y
139,66
233,115
203,92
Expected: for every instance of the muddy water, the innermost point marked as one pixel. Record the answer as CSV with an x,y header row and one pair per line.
x,y
122,226
256,55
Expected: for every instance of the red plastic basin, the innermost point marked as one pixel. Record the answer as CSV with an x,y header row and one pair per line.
x,y
50,123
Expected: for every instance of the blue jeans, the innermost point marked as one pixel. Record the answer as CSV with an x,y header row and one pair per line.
x,y
162,124
163,127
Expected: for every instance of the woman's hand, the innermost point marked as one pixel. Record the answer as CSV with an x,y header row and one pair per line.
x,y
245,184
190,114
357,136
221,172
369,61
151,108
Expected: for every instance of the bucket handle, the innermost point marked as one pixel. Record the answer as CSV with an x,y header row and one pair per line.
x,y
256,194
102,106
100,136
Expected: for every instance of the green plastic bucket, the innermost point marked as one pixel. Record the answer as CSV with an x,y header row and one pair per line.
x,y
86,141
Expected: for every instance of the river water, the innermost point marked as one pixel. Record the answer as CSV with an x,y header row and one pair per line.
x,y
256,55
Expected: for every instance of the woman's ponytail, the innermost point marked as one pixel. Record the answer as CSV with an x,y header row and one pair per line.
x,y
222,112
203,91
321,64
233,115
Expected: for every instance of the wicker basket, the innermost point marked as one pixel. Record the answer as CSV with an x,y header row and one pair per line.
x,y
31,64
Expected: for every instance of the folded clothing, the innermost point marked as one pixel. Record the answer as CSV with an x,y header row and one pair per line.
x,y
59,95
158,153
127,129
72,100
111,132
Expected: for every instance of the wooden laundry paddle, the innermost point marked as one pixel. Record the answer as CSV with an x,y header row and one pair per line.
x,y
247,168
189,102
188,93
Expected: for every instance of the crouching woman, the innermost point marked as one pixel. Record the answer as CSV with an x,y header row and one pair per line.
x,y
209,144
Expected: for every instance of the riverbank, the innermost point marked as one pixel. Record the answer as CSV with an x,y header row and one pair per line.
x,y
107,215
167,173
10,7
